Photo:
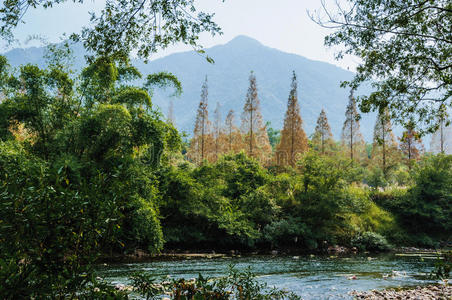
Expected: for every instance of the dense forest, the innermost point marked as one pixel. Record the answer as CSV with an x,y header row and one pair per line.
x,y
262,188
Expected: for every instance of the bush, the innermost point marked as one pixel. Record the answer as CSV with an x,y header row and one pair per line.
x,y
371,241
375,178
363,215
428,205
285,232
235,285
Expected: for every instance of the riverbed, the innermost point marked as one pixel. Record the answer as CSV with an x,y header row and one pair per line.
x,y
311,277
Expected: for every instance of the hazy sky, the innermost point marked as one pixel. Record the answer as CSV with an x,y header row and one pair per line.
x,y
282,24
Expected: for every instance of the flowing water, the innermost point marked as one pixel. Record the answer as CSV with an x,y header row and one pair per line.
x,y
310,277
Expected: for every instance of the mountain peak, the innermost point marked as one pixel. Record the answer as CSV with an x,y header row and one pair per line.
x,y
243,40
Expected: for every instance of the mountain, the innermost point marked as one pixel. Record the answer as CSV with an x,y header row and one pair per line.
x,y
35,55
228,82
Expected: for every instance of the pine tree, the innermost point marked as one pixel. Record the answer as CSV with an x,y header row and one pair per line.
x,y
293,138
217,131
411,144
384,143
233,137
199,146
322,135
351,135
442,139
171,118
256,140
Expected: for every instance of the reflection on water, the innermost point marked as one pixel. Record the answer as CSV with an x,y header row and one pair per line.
x,y
309,277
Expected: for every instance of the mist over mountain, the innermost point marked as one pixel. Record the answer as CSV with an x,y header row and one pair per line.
x,y
228,82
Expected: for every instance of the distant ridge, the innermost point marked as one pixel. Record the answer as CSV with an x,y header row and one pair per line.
x,y
228,82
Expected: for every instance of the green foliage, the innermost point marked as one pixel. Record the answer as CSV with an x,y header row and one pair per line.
x,y
405,52
363,215
286,232
322,184
235,285
235,203
399,175
77,176
126,26
443,265
425,209
225,199
146,285
163,80
375,177
51,226
371,241
274,136
88,168
430,200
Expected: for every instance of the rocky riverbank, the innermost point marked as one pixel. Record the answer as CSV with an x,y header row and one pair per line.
x,y
437,292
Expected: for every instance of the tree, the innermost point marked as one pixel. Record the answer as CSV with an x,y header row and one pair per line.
x,y
171,117
217,131
256,140
293,138
405,48
322,135
427,207
384,143
126,26
233,136
351,136
274,135
82,184
200,143
411,144
442,138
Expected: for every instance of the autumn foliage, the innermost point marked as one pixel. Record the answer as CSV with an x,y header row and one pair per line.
x,y
256,143
352,138
293,138
323,138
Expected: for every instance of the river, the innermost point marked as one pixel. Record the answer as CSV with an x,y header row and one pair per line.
x,y
311,277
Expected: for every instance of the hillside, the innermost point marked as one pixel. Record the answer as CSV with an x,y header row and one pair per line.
x,y
228,83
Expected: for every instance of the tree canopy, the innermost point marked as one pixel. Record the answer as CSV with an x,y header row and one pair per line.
x,y
406,52
123,26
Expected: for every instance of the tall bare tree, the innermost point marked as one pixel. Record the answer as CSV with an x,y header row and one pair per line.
x,y
233,137
322,135
442,139
351,135
384,144
411,144
255,133
293,138
171,117
217,131
200,143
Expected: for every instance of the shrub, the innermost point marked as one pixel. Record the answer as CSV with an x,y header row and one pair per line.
x,y
443,265
371,241
235,285
428,205
375,178
285,232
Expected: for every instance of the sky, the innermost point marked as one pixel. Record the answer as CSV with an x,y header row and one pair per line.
x,y
282,24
